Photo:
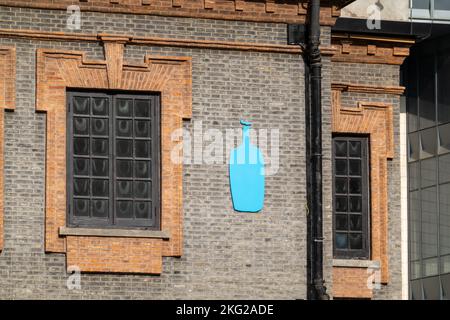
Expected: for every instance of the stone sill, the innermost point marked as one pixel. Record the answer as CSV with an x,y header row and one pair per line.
x,y
354,263
122,233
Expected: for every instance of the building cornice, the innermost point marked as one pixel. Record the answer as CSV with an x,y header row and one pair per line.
x,y
291,11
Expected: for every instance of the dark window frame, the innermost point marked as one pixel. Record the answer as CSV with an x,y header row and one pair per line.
x,y
111,222
365,252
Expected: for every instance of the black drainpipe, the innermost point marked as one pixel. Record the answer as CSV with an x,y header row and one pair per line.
x,y
313,84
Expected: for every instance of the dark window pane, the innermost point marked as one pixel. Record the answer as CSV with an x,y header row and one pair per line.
x,y
142,189
413,178
99,208
416,290
355,204
444,138
415,225
124,209
413,147
443,74
442,5
124,148
354,148
341,241
81,105
124,168
355,222
142,129
428,140
341,185
124,128
99,127
340,148
124,107
81,126
81,146
444,209
355,240
142,108
341,222
100,188
142,169
444,169
355,185
354,167
81,208
429,223
143,149
430,267
421,4
341,204
416,269
428,172
427,110
81,167
124,188
100,147
445,280
142,210
100,106
412,105
100,167
81,187
341,166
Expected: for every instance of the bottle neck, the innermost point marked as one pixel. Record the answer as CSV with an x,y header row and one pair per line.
x,y
246,135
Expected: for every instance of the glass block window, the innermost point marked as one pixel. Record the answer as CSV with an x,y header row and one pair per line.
x,y
351,197
113,160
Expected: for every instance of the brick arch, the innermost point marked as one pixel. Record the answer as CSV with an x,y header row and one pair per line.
x,y
172,77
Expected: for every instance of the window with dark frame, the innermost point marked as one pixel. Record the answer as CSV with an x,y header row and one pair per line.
x,y
351,235
113,160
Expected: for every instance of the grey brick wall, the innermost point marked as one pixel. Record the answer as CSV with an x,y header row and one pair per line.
x,y
376,74
227,254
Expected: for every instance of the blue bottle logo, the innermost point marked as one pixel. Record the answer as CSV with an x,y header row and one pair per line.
x,y
247,179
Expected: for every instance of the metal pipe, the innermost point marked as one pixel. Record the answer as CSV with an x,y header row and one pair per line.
x,y
316,288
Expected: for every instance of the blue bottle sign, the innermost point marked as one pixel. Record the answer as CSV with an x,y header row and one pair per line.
x,y
247,180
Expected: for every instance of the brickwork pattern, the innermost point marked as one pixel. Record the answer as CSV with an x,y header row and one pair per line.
x,y
293,11
226,254
7,102
387,77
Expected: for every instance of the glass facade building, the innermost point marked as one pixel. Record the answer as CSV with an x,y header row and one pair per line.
x,y
426,75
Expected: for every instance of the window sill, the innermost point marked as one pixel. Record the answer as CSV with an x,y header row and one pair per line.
x,y
123,233
354,263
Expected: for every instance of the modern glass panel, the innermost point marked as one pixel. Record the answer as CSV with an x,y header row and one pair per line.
x,y
428,170
443,86
429,222
431,288
428,143
444,138
413,147
444,219
427,108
